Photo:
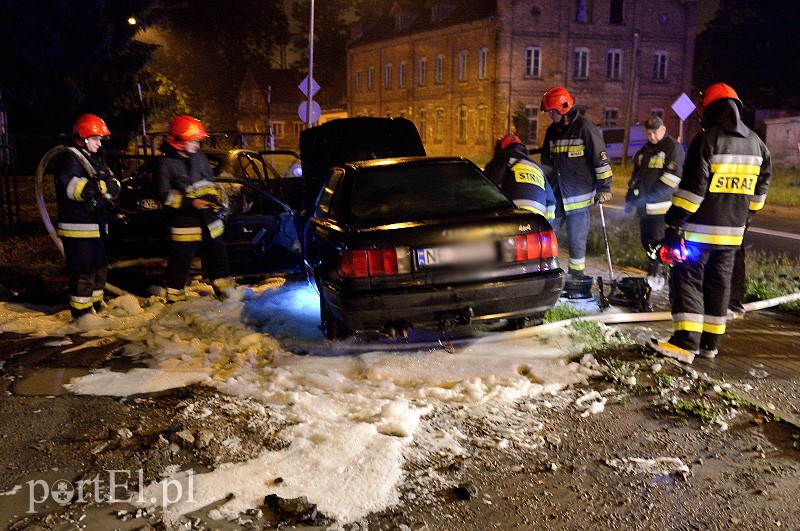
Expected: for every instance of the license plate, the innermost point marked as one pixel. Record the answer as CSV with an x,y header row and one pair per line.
x,y
473,253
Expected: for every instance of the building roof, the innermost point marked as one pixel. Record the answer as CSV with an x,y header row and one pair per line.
x,y
284,83
407,18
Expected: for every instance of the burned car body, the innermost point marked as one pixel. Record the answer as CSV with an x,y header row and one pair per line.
x,y
261,232
393,243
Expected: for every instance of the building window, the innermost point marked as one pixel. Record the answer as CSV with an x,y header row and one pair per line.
x,y
462,124
422,74
660,64
483,63
438,125
483,123
422,123
614,64
617,11
401,74
583,13
610,116
438,69
279,129
462,65
580,63
370,76
298,127
533,61
532,114
357,80
387,75
657,111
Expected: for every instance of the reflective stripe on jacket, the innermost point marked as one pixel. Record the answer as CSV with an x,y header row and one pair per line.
x,y
527,186
580,163
657,171
725,180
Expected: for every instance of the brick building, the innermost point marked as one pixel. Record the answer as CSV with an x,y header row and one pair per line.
x,y
466,71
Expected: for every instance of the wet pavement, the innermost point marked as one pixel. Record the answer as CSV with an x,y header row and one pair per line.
x,y
759,355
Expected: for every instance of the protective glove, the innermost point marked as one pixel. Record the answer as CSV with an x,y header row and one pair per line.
x,y
602,197
671,249
91,191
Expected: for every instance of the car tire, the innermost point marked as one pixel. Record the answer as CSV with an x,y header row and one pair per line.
x,y
332,327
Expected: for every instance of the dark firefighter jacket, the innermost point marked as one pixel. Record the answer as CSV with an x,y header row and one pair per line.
x,y
725,180
81,195
182,179
580,163
657,170
524,182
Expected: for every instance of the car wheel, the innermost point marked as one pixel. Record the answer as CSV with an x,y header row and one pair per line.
x,y
332,327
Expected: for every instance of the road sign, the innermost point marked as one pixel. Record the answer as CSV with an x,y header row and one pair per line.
x,y
302,111
308,84
683,106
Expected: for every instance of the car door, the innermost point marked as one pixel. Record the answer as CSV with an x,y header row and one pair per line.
x,y
260,230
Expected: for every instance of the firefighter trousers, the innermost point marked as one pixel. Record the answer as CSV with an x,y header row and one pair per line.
x,y
577,233
699,291
215,264
87,268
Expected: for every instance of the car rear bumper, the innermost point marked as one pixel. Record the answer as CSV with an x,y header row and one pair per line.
x,y
498,299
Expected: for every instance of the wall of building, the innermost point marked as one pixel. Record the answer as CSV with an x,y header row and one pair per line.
x,y
510,90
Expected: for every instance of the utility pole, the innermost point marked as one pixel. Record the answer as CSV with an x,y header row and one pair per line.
x,y
631,91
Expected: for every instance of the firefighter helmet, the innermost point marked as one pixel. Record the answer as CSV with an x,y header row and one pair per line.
x,y
183,128
89,125
557,99
716,92
508,140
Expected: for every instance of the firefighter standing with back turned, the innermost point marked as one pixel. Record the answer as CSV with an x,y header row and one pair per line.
x,y
523,180
186,188
725,182
581,176
657,170
84,186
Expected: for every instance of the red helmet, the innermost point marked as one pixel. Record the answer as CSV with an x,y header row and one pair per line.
x,y
89,125
184,127
717,91
557,99
509,140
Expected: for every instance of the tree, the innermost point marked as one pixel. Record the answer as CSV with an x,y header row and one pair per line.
x,y
206,47
63,58
753,46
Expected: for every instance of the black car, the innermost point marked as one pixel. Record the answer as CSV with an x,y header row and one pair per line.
x,y
424,241
261,231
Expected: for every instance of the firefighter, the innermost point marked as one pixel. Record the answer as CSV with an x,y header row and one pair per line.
x,y
186,188
522,179
725,182
657,170
581,176
84,188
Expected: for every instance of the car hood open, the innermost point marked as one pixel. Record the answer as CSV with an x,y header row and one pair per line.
x,y
352,139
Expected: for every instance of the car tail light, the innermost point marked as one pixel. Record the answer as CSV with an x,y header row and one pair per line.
x,y
533,246
363,263
549,244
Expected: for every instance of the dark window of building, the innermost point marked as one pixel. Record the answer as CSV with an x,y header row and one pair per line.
x,y
583,14
616,11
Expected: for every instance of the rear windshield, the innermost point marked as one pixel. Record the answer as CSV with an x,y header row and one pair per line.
x,y
417,192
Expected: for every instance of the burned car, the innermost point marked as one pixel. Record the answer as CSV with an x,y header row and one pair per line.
x,y
416,241
261,231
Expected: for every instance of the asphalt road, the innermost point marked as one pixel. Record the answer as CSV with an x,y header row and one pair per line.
x,y
766,233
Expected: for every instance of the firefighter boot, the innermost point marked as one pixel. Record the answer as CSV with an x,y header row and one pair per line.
x,y
665,348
